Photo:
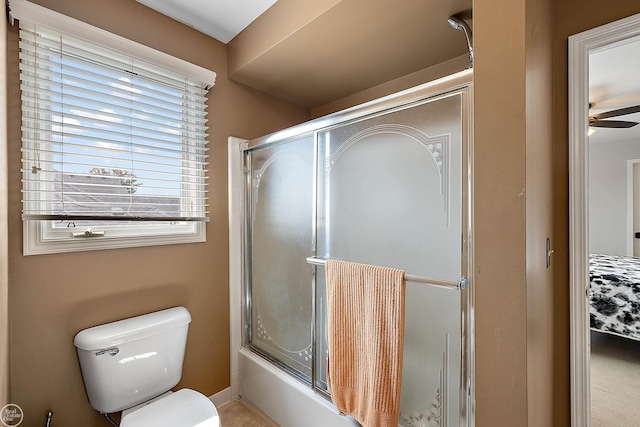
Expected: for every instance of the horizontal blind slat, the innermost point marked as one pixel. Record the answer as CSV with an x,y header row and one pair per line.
x,y
47,42
116,186
142,166
90,118
120,99
116,80
120,139
71,218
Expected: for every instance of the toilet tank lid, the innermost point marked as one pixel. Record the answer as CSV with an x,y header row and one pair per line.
x,y
133,328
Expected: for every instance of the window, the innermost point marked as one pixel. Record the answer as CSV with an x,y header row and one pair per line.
x,y
113,147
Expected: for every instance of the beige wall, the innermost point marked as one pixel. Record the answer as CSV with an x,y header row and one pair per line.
x,y
443,69
544,389
4,258
500,199
521,180
55,296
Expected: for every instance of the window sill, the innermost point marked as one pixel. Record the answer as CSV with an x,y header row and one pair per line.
x,y
35,242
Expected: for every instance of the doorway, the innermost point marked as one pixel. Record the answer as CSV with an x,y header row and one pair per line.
x,y
581,47
633,211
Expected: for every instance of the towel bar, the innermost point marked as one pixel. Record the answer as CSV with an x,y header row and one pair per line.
x,y
462,284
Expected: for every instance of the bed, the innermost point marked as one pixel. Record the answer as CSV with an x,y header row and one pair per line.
x,y
615,295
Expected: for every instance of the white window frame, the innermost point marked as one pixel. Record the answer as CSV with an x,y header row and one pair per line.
x,y
40,237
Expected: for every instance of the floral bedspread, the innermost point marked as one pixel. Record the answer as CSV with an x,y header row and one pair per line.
x,y
615,294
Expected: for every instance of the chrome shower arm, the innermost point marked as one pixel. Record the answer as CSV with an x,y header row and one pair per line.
x,y
460,24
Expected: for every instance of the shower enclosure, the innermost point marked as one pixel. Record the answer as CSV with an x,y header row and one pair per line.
x,y
386,183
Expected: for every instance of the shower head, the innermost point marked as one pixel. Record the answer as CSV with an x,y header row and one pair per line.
x,y
459,24
456,22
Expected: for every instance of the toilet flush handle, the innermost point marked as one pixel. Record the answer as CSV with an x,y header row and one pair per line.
x,y
110,351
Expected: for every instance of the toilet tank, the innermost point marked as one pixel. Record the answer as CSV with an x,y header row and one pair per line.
x,y
130,361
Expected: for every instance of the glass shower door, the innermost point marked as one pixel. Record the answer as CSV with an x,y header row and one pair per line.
x,y
279,237
390,193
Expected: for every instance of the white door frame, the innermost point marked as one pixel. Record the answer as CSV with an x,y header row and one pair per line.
x,y
580,46
631,164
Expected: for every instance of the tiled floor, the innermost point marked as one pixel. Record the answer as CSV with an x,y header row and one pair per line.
x,y
236,414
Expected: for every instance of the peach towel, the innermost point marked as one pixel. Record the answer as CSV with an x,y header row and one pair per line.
x,y
365,310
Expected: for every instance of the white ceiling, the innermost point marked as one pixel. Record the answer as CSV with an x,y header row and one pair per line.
x,y
614,83
220,19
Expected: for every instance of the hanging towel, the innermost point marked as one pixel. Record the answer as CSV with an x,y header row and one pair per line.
x,y
365,310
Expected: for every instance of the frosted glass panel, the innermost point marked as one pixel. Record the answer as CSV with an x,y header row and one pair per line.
x,y
391,190
281,234
390,194
432,354
432,357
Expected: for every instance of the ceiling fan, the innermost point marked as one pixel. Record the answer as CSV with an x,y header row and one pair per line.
x,y
597,120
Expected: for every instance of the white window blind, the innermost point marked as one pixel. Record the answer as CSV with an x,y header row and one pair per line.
x,y
107,137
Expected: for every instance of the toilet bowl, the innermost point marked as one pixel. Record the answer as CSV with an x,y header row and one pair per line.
x,y
131,365
185,407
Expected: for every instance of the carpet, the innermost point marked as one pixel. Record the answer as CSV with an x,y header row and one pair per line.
x,y
615,381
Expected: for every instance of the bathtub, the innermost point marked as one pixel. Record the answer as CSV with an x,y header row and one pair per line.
x,y
286,400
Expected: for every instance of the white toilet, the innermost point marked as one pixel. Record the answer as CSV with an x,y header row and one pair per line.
x,y
131,365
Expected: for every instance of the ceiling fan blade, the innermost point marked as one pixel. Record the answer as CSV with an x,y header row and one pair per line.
x,y
616,113
616,124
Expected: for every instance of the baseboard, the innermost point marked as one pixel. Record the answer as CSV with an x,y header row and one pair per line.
x,y
222,397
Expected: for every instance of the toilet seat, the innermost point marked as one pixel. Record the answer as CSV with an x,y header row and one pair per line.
x,y
184,408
